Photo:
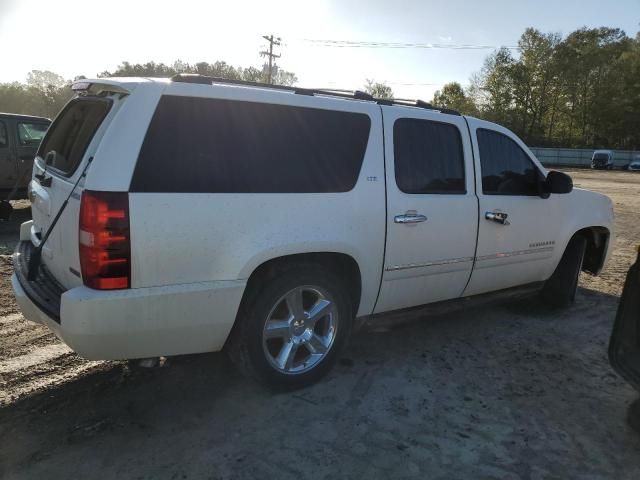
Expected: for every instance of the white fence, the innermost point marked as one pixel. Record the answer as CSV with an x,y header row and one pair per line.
x,y
578,157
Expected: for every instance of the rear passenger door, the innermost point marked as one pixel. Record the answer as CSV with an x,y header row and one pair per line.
x,y
432,210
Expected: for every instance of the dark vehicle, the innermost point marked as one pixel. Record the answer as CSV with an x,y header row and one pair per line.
x,y
624,346
20,136
602,160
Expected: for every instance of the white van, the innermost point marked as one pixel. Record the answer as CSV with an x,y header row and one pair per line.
x,y
213,214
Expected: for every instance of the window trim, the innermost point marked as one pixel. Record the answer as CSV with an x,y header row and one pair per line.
x,y
535,166
462,156
20,144
51,130
6,131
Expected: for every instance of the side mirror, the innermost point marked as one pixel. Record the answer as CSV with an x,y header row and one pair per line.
x,y
556,182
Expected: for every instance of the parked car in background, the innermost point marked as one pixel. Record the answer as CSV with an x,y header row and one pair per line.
x,y
20,136
602,160
205,214
634,165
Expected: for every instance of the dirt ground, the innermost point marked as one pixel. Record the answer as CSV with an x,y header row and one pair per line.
x,y
509,391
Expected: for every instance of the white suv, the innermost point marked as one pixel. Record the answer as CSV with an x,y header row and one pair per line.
x,y
212,214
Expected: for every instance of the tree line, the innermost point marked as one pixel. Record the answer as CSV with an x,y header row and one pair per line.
x,y
579,91
45,93
582,90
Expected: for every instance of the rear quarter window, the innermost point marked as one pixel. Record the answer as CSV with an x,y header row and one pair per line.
x,y
203,145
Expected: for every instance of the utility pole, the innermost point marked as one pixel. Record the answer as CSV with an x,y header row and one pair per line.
x,y
272,41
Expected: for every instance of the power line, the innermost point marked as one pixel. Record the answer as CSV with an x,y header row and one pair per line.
x,y
361,44
272,41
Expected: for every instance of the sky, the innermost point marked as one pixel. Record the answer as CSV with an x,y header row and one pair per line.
x,y
75,37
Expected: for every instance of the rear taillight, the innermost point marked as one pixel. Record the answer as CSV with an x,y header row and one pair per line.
x,y
105,247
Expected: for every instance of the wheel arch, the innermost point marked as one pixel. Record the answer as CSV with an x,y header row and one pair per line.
x,y
598,238
342,264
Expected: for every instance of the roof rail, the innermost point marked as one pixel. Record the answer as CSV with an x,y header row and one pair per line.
x,y
351,94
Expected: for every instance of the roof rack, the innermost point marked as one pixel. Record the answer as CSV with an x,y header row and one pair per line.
x,y
350,94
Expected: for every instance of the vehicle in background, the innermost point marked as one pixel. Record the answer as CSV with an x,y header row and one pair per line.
x,y
602,160
20,136
634,165
204,214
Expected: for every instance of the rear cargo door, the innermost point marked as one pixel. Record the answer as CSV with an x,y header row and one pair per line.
x,y
71,140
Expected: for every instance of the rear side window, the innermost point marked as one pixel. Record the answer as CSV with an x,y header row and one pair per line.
x,y
428,157
203,145
4,139
70,134
506,168
30,134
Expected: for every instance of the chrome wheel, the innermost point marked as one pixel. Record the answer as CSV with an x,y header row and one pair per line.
x,y
300,329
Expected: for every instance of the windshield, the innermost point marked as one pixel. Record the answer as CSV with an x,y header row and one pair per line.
x,y
601,156
71,132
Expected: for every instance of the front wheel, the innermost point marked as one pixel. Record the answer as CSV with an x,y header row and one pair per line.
x,y
560,289
291,328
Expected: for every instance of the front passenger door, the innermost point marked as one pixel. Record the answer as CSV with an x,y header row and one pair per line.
x,y
518,230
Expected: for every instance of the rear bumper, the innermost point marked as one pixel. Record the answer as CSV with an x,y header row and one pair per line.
x,y
140,322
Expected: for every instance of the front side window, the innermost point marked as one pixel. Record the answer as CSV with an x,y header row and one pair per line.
x,y
30,134
70,134
4,139
428,157
206,145
506,168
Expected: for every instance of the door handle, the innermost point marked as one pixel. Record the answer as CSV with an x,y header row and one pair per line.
x,y
409,217
498,217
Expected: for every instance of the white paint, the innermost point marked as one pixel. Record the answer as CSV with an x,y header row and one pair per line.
x,y
193,253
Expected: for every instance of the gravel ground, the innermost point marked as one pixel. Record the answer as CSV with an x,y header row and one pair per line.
x,y
507,391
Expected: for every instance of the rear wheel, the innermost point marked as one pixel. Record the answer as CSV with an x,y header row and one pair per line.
x,y
560,289
291,329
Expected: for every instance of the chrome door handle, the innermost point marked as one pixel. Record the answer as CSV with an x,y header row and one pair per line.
x,y
409,218
498,217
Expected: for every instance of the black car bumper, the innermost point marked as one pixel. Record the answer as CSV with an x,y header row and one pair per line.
x,y
44,291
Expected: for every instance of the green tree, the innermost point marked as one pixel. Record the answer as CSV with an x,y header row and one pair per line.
x,y
453,96
378,89
580,91
219,69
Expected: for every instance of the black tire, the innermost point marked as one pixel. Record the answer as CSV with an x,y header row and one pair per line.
x,y
246,346
560,289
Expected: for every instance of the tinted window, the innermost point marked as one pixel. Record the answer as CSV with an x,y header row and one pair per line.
x,y
225,146
506,168
30,134
70,134
428,157
4,139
